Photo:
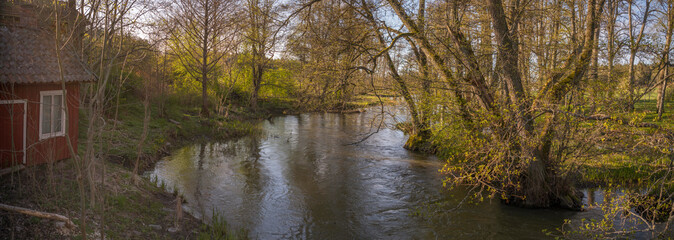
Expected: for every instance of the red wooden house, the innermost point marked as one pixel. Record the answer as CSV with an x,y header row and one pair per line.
x,y
38,116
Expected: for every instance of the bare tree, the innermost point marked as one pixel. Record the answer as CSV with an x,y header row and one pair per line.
x,y
635,43
261,32
669,28
201,35
332,42
612,46
99,29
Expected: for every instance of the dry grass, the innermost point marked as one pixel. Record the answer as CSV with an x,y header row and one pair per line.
x,y
125,211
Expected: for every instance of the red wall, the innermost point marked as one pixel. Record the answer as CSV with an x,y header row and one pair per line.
x,y
11,140
49,149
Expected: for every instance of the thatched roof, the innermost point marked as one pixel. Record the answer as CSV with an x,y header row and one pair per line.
x,y
28,55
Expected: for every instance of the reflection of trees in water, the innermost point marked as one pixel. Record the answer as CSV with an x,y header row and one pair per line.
x,y
211,150
320,172
202,156
181,167
590,197
250,164
342,121
197,188
228,150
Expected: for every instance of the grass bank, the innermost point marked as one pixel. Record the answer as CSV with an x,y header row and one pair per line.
x,y
630,169
170,127
123,210
282,106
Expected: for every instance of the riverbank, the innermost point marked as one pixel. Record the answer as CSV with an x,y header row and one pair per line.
x,y
128,210
619,148
357,104
633,167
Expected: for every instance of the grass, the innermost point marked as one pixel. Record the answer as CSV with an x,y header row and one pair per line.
x,y
219,230
620,169
363,101
639,169
178,126
125,210
648,107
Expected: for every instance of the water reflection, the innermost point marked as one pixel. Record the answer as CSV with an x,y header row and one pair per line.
x,y
302,179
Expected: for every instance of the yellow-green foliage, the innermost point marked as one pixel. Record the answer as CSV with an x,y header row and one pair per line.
x,y
277,80
278,83
184,84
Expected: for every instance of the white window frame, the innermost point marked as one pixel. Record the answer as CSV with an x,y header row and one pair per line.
x,y
25,113
63,113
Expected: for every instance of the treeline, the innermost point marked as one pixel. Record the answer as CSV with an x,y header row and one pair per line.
x,y
220,53
526,86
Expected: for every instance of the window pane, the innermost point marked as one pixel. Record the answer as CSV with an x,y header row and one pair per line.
x,y
46,114
58,112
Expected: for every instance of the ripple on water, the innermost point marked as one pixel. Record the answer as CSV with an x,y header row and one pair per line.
x,y
302,179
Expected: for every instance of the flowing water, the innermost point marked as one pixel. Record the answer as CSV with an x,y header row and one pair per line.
x,y
312,176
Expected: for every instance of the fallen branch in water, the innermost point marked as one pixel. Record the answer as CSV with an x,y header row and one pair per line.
x,y
52,216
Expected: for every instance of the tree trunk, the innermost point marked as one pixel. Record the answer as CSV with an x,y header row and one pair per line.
x,y
424,132
257,81
474,75
630,83
426,107
536,185
204,63
665,59
662,92
612,7
594,70
634,48
143,136
204,95
412,142
542,187
436,60
508,58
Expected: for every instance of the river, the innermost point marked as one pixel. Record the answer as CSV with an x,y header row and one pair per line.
x,y
316,176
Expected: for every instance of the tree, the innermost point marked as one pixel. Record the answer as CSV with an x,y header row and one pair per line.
x,y
612,13
201,35
98,32
635,44
419,109
333,43
262,30
532,178
669,28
